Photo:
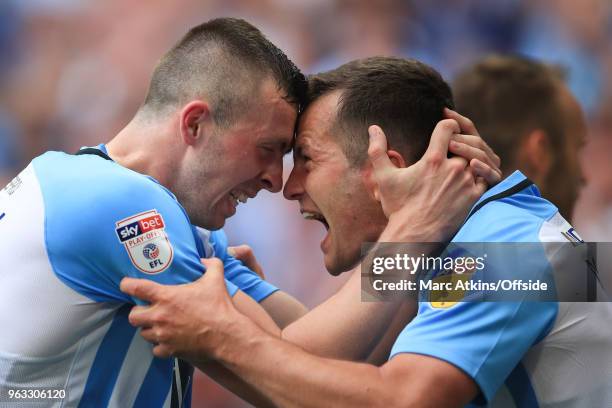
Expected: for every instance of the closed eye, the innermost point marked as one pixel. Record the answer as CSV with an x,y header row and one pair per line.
x,y
299,154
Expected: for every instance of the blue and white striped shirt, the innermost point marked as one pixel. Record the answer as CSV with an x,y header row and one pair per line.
x,y
73,227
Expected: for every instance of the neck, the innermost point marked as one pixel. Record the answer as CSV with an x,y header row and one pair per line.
x,y
144,148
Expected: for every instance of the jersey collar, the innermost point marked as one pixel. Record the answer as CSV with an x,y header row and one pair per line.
x,y
102,147
517,182
506,184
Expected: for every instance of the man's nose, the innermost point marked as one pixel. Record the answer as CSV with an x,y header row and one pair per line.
x,y
293,188
272,177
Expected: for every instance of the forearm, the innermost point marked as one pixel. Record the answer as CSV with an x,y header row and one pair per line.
x,y
344,327
251,309
283,308
380,353
233,383
290,377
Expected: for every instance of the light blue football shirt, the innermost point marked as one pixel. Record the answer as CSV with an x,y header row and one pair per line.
x,y
71,228
520,353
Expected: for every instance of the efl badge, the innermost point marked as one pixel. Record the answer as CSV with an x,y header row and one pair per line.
x,y
146,242
446,294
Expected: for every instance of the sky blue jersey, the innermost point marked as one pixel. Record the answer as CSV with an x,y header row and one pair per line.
x,y
71,227
520,353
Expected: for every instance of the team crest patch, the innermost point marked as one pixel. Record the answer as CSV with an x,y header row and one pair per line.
x,y
144,237
443,298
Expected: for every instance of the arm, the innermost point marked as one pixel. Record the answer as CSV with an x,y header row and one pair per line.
x,y
290,377
380,353
443,359
302,380
283,308
230,381
343,326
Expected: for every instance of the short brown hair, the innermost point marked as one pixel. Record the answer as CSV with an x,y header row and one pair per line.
x,y
507,97
224,59
405,97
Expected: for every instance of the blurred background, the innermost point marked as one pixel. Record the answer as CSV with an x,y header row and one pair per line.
x,y
73,72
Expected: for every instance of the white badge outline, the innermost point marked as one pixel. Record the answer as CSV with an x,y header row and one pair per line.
x,y
163,230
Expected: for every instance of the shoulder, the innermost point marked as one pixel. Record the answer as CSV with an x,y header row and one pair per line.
x,y
87,195
103,222
79,182
517,218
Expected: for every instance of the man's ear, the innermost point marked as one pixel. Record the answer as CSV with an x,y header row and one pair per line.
x,y
368,172
193,117
396,158
535,155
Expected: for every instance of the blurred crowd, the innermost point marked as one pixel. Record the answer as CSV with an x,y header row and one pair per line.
x,y
73,72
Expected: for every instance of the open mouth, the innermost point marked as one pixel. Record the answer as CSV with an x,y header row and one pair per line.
x,y
238,197
315,216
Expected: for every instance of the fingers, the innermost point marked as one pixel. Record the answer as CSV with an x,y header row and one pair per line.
x,y
213,265
472,137
466,125
149,335
477,142
235,252
485,172
458,164
162,351
244,253
377,151
140,288
440,138
481,186
140,316
468,152
214,272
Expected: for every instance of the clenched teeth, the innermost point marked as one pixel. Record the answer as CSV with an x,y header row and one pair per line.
x,y
238,196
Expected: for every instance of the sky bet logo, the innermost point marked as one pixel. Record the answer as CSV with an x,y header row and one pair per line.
x,y
144,238
140,227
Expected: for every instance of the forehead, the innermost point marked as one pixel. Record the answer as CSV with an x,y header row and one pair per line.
x,y
316,124
270,117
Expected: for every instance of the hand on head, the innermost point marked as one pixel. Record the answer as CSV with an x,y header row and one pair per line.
x,y
469,145
435,194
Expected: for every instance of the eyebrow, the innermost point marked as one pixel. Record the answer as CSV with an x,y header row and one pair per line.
x,y
282,142
298,148
307,143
